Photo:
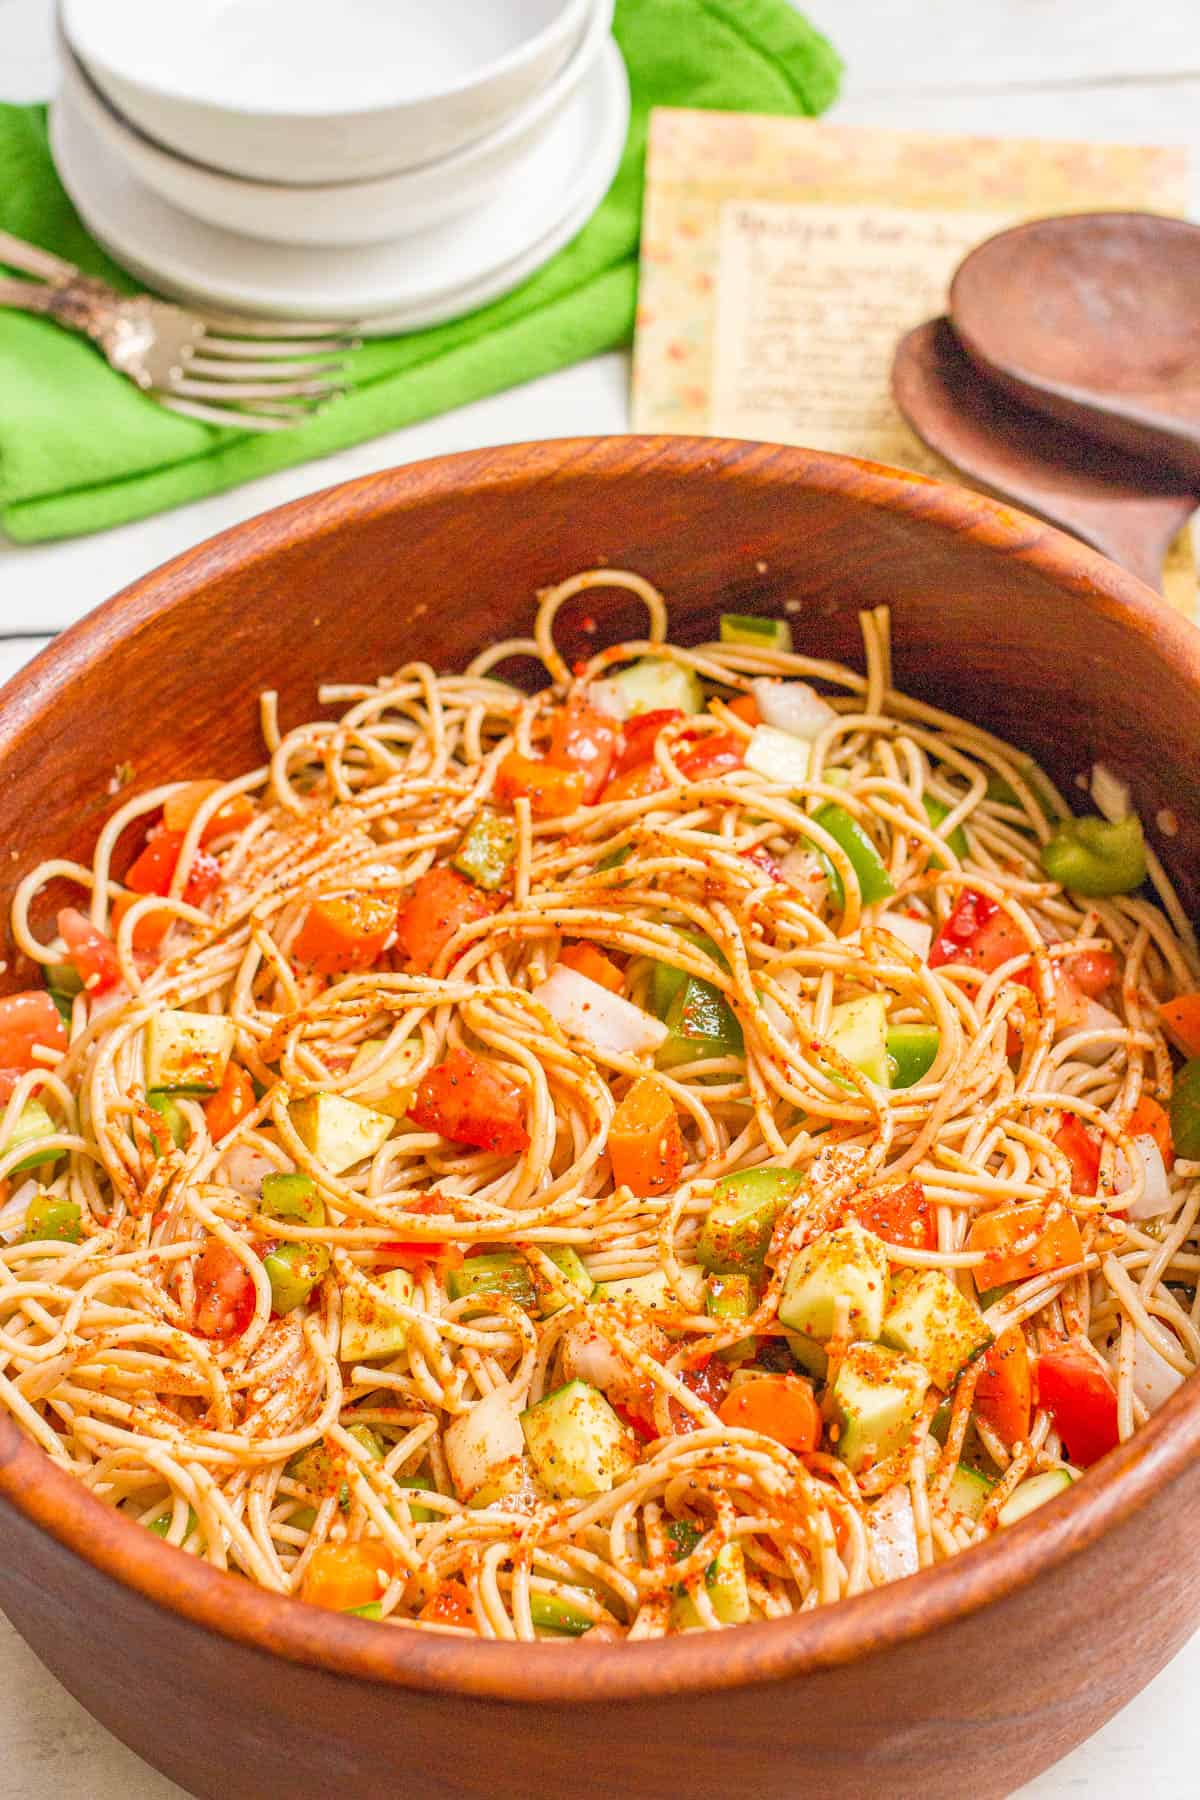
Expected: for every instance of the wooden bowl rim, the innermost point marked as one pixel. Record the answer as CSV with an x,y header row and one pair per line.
x,y
547,1674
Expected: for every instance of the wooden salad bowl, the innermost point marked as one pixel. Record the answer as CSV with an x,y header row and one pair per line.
x,y
966,1679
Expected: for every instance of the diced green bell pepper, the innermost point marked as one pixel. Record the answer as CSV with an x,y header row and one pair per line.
x,y
551,1613
162,1524
64,978
700,1024
293,1271
292,1196
488,849
935,812
168,1110
614,859
750,628
33,1122
502,1273
1097,856
46,1216
421,1484
873,879
741,1218
666,980
911,1051
372,1610
1185,1111
566,1260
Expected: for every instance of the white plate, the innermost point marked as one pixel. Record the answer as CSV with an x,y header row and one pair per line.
x,y
418,280
344,212
298,90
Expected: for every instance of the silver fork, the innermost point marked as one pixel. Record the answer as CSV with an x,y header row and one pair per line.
x,y
256,374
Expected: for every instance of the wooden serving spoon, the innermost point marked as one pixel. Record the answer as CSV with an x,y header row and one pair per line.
x,y
1093,319
1128,509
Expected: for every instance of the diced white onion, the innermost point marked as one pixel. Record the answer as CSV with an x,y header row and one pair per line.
x,y
1096,1018
802,870
1155,1197
1111,796
1154,1380
916,933
482,1443
892,1530
609,697
243,1168
12,1215
792,706
586,1010
778,756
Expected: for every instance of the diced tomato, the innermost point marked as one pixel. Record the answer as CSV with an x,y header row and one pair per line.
x,y
745,707
342,1577
639,735
442,903
92,955
1093,972
470,1102
645,1142
343,933
416,1252
777,1406
449,1604
1004,1390
585,959
153,871
1025,1240
1081,1400
224,1292
585,739
150,929
8,1081
181,808
1149,1119
978,933
640,1423
230,1104
1081,1151
899,1215
551,792
711,757
27,1021
645,778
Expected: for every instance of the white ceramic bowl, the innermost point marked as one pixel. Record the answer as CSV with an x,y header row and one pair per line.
x,y
298,91
340,213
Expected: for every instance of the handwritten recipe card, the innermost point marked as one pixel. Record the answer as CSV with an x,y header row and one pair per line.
x,y
783,260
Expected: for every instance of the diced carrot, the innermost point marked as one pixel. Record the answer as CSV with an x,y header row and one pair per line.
x,y
154,869
449,1604
231,1102
585,739
1149,1119
551,792
342,1576
777,1406
1081,1151
1180,1019
1004,1390
645,1143
585,959
746,708
441,904
150,929
342,933
468,1101
181,808
900,1215
1025,1240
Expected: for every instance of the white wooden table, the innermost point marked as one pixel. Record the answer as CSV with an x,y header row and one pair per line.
x,y
1126,69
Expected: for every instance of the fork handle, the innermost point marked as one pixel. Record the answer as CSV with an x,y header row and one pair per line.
x,y
19,255
71,304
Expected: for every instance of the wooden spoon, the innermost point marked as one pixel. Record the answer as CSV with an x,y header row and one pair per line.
x,y
1093,319
1128,509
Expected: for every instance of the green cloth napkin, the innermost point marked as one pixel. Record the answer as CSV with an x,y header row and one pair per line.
x,y
81,448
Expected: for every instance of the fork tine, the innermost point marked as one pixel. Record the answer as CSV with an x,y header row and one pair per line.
x,y
216,345
237,325
251,390
231,369
230,416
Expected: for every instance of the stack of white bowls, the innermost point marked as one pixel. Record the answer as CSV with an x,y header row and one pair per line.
x,y
391,162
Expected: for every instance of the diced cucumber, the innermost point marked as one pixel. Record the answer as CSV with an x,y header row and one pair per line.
x,y
502,1273
372,1610
168,1110
936,1323
810,1354
293,1271
875,1402
911,1052
421,1484
968,1491
846,1265
485,1450
700,1025
392,1091
551,1613
741,1217
486,853
654,685
1034,1493
371,1326
292,1196
47,1216
753,629
578,1444
64,979
778,756
32,1122
162,1525
935,812
187,1052
653,1291
725,1584
317,1468
939,1425
566,1261
730,1298
858,1031
339,1132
